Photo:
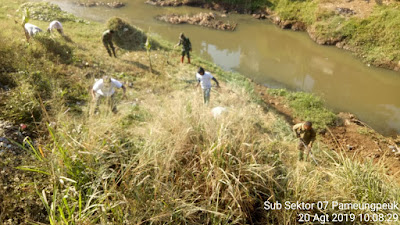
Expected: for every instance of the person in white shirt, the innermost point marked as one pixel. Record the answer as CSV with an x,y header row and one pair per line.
x,y
55,25
31,30
204,79
105,88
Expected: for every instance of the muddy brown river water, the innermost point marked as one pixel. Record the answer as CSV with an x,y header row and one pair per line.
x,y
276,58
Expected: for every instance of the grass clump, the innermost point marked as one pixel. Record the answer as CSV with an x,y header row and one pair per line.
x,y
127,36
378,35
304,11
307,106
45,11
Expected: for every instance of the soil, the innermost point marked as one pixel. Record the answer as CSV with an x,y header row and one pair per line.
x,y
352,137
17,201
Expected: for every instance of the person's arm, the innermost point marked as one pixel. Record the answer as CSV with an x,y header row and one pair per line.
x,y
95,88
179,43
198,79
214,79
93,94
295,130
124,89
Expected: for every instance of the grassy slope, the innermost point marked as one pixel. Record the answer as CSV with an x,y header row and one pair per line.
x,y
374,39
163,158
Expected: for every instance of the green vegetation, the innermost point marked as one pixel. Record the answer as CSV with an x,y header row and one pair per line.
x,y
129,37
374,38
307,106
296,10
164,158
45,11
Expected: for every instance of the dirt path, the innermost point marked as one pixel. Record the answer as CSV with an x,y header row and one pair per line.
x,y
355,138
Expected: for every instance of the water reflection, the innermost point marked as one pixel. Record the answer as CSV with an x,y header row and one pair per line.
x,y
226,58
393,114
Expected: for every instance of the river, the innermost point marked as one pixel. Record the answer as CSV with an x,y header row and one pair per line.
x,y
276,58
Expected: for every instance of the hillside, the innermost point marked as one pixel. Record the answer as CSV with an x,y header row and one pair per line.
x,y
163,158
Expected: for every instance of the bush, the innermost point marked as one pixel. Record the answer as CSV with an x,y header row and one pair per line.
x,y
307,106
127,36
48,12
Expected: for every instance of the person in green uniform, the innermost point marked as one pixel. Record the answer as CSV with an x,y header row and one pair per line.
x,y
107,42
307,136
186,47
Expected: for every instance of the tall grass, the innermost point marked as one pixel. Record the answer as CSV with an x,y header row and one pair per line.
x,y
167,160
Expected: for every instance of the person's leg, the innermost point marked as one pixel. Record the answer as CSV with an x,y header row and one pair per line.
x,y
188,56
300,147
113,49
183,56
113,104
98,102
108,49
207,95
306,150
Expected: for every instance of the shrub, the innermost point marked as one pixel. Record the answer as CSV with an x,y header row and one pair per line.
x,y
127,36
48,12
307,106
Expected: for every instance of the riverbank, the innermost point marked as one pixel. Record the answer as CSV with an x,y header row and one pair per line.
x,y
163,158
366,28
201,19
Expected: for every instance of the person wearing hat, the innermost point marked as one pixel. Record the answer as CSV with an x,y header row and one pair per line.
x,y
186,47
204,79
104,89
107,41
306,134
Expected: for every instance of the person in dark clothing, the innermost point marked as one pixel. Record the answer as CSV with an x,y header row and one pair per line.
x,y
306,134
186,47
107,42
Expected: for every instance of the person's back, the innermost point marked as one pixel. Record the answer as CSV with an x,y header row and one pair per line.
x,y
106,89
31,29
186,45
56,25
107,42
107,36
307,135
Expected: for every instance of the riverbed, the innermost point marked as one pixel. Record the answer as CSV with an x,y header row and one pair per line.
x,y
275,58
